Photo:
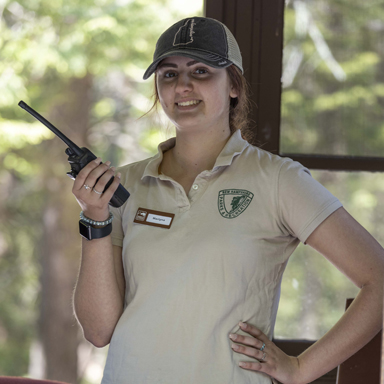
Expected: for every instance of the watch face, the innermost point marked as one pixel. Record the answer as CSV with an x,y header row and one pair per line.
x,y
85,229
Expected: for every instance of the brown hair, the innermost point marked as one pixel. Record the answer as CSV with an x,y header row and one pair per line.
x,y
239,107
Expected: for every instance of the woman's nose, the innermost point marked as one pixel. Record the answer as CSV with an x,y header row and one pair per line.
x,y
184,83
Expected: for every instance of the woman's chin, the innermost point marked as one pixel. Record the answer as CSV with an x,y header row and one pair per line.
x,y
189,125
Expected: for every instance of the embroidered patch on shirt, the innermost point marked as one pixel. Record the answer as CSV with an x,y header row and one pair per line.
x,y
154,218
233,202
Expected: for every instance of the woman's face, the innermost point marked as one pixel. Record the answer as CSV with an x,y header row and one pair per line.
x,y
194,95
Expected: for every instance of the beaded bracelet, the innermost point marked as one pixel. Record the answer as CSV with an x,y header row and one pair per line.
x,y
93,222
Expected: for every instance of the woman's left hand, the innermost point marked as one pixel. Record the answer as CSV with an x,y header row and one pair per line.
x,y
271,359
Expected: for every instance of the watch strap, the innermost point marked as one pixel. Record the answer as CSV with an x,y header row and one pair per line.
x,y
91,233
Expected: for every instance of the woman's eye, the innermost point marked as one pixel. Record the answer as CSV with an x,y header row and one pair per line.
x,y
201,71
170,74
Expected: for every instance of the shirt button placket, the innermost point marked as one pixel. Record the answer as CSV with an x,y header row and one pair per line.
x,y
183,200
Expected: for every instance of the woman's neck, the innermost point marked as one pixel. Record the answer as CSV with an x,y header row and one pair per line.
x,y
193,153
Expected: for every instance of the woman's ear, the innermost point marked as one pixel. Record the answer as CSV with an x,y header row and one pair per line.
x,y
233,92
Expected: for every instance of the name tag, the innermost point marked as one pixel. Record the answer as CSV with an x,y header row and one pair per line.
x,y
154,218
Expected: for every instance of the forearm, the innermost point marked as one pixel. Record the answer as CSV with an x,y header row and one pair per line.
x,y
98,302
359,324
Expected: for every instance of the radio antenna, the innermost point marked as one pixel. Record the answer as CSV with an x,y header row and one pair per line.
x,y
37,116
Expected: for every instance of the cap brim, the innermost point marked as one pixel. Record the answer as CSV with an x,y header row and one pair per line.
x,y
214,61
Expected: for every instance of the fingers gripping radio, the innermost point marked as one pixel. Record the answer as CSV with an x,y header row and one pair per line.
x,y
78,157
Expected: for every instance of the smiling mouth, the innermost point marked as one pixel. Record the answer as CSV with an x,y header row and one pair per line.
x,y
187,103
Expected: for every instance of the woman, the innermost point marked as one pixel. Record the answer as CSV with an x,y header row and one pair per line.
x,y
202,243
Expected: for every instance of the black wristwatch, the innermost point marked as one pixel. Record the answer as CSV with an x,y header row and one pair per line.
x,y
90,233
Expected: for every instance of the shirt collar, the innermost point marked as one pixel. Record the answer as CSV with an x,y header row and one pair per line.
x,y
152,168
234,146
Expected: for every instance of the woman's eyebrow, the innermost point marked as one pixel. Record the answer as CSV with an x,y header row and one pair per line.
x,y
172,65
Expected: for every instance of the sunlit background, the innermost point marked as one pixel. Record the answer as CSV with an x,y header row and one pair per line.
x,y
332,104
80,64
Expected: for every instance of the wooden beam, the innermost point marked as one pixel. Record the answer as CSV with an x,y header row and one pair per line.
x,y
339,163
258,28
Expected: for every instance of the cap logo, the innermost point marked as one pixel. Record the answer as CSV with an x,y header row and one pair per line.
x,y
182,31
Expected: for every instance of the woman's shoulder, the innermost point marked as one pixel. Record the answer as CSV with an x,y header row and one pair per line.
x,y
269,160
135,166
135,170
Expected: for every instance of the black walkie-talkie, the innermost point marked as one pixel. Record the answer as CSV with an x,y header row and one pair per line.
x,y
78,158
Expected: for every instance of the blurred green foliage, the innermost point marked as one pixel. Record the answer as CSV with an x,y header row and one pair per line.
x,y
333,95
332,103
45,47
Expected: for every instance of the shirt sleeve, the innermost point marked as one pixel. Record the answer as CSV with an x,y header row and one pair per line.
x,y
117,234
303,203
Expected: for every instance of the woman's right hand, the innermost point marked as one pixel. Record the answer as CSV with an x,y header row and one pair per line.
x,y
94,205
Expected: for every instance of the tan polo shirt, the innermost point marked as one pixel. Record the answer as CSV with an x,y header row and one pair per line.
x,y
219,260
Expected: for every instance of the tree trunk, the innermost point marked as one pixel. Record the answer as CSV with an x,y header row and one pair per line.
x,y
60,247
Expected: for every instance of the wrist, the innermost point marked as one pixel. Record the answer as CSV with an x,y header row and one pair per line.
x,y
96,215
96,223
90,233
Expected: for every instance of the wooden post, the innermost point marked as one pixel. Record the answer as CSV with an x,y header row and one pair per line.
x,y
258,28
